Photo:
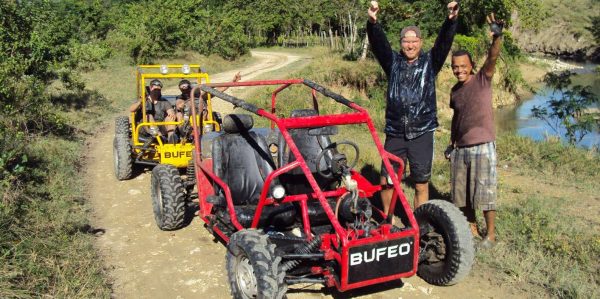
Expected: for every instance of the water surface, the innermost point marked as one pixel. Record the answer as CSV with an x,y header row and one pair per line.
x,y
518,118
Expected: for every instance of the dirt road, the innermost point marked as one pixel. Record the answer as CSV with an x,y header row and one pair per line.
x,y
145,262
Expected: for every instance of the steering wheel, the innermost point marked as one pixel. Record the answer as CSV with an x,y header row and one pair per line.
x,y
331,147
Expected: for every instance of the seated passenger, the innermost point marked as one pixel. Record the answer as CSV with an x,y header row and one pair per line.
x,y
158,109
183,99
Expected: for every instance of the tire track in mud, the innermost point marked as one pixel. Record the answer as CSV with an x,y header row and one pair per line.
x,y
145,262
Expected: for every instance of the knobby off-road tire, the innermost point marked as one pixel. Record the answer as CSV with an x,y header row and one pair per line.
x,y
168,197
190,175
443,218
253,269
123,162
122,125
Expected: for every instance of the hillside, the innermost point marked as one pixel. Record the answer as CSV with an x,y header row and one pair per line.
x,y
564,30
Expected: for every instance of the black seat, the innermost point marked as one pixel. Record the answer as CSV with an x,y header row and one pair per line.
x,y
241,159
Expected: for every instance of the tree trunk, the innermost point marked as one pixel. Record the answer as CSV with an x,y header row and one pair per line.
x,y
332,45
351,29
365,48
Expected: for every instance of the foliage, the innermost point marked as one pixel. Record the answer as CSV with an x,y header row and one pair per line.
x,y
155,29
566,107
595,28
471,44
429,14
41,42
41,250
474,12
272,22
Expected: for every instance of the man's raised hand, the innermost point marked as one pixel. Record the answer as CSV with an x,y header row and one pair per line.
x,y
373,10
237,77
453,10
496,26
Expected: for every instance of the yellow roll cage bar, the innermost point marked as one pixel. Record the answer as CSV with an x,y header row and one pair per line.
x,y
195,72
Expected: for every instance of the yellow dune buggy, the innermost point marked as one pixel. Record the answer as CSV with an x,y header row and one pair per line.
x,y
138,140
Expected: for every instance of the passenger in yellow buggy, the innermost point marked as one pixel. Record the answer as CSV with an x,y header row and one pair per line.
x,y
158,109
182,103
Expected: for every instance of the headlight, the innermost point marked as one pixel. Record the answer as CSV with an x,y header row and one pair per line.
x,y
273,148
185,69
278,192
164,69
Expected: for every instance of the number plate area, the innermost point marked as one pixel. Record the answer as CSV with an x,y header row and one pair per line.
x,y
380,259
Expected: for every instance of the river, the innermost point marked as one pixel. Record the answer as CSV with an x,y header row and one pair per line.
x,y
518,118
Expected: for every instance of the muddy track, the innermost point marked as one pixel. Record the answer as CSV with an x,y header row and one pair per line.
x,y
145,262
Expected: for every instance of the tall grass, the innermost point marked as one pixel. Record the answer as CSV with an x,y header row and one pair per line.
x,y
46,245
543,246
551,156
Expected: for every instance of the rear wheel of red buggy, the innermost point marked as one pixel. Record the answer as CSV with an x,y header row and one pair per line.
x,y
168,197
253,269
447,250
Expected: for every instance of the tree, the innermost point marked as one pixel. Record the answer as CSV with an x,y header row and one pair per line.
x,y
567,107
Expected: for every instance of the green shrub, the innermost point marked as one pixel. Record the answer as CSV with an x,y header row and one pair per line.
x,y
471,44
89,56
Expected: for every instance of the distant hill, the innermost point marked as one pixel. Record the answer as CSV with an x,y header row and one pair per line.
x,y
564,30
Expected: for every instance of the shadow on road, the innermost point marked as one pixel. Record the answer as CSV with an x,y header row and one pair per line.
x,y
333,292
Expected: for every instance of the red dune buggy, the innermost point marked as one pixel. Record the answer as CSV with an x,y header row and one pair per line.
x,y
291,208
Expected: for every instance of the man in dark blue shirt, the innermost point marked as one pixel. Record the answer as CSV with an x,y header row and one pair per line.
x,y
411,111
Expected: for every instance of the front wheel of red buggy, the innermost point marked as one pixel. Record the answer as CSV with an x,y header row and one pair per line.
x,y
253,269
446,245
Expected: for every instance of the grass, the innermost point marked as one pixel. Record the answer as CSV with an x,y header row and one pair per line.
x,y
543,246
45,244
547,218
